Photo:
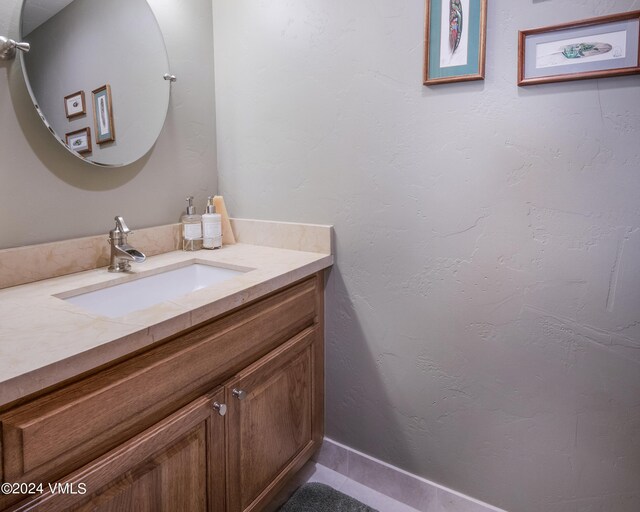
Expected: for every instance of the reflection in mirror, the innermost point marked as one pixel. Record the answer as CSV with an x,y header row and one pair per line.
x,y
97,67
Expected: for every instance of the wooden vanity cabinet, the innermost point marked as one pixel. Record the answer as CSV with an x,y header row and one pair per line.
x,y
274,420
179,464
169,448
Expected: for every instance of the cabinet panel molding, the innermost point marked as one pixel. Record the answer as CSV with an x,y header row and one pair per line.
x,y
164,468
51,434
272,425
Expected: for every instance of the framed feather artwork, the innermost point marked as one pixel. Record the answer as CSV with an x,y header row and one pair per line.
x,y
103,114
455,40
593,48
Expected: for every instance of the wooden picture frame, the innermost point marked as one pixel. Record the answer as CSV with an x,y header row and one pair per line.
x,y
103,114
455,41
592,48
79,141
75,105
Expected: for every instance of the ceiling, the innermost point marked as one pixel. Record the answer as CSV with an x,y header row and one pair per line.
x,y
36,12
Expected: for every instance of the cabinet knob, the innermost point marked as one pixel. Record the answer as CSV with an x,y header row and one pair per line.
x,y
221,408
239,394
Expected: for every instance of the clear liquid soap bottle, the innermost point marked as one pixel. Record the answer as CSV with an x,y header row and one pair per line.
x,y
191,228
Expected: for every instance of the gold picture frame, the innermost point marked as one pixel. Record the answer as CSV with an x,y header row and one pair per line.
x,y
592,48
455,41
79,141
75,105
103,114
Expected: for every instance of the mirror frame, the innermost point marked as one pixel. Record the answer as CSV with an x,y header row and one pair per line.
x,y
55,135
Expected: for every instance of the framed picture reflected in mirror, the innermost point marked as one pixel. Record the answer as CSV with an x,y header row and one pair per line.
x,y
74,105
103,114
79,141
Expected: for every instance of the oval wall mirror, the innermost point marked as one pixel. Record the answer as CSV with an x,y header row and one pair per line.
x,y
95,74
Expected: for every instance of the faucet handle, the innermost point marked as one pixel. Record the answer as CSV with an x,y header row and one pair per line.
x,y
121,226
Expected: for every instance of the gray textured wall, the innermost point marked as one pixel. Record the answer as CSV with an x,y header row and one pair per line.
x,y
484,312
47,194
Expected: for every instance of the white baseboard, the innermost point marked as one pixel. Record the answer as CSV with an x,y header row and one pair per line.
x,y
412,490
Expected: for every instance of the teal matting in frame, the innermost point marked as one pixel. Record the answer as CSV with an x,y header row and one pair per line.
x,y
475,19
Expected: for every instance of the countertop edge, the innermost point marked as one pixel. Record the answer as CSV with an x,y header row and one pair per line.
x,y
37,380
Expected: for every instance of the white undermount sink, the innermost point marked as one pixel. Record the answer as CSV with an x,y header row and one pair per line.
x,y
130,296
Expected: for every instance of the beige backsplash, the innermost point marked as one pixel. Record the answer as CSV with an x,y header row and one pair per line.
x,y
32,263
284,235
21,265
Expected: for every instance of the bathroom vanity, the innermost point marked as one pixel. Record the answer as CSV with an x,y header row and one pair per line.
x,y
212,409
207,401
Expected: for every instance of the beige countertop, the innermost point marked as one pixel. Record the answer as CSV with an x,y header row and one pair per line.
x,y
45,340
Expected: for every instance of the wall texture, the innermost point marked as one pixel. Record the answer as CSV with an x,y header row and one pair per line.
x,y
484,312
47,194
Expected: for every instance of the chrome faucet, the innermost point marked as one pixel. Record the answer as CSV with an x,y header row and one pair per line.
x,y
121,252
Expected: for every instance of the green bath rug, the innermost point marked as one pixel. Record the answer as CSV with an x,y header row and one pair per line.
x,y
316,497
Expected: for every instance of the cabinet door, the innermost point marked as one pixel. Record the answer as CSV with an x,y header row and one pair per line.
x,y
178,464
274,420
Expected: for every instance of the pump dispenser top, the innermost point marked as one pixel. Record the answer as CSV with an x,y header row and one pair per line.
x,y
210,206
191,210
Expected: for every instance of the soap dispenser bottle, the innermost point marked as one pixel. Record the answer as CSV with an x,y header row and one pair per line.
x,y
191,228
211,227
